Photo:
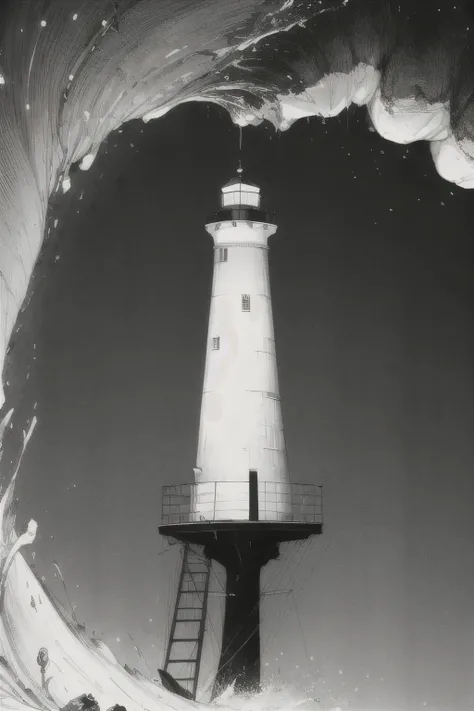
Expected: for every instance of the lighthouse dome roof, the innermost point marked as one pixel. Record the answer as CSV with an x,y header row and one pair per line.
x,y
252,187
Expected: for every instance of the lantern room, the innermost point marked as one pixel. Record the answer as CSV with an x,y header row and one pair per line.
x,y
237,192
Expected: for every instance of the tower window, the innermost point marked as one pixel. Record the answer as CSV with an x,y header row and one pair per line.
x,y
216,343
245,302
221,255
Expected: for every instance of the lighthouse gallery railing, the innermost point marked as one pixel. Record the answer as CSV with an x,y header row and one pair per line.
x,y
209,501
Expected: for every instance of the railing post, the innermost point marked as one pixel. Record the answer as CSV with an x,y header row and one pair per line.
x,y
215,499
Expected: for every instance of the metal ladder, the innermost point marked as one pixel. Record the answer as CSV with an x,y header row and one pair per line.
x,y
189,621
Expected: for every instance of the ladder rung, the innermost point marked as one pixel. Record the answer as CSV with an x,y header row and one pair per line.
x,y
184,639
194,584
195,573
184,678
194,577
188,620
182,661
193,591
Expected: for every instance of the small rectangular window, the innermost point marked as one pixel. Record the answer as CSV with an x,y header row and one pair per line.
x,y
216,343
245,302
221,255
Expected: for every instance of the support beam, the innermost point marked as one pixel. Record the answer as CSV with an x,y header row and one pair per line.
x,y
240,652
243,560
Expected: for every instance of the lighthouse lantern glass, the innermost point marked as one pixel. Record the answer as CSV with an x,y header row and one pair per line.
x,y
240,194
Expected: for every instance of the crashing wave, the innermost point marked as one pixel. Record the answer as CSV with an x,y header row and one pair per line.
x,y
72,72
46,657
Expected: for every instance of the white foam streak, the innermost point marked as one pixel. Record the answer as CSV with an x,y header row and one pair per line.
x,y
156,113
255,40
408,120
453,161
87,161
331,95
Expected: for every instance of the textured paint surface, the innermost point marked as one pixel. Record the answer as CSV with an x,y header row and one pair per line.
x,y
72,72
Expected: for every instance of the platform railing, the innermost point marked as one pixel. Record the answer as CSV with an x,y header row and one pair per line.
x,y
229,501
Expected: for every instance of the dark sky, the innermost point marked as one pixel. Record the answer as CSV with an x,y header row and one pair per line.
x,y
371,273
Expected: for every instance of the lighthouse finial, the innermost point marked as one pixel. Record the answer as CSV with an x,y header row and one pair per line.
x,y
240,170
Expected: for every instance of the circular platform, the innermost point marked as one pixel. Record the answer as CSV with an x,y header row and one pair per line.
x,y
202,532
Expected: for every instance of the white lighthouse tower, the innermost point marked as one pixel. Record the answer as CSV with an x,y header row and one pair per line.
x,y
241,504
241,427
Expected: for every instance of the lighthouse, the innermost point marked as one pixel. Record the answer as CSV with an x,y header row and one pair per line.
x,y
241,504
241,427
